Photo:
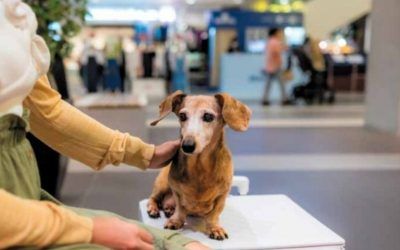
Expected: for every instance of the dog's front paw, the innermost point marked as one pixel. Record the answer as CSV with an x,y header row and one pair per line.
x,y
152,210
168,206
217,233
169,211
173,224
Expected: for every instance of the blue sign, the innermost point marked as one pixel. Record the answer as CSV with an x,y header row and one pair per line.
x,y
244,18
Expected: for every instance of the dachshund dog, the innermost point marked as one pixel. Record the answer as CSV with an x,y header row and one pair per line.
x,y
199,178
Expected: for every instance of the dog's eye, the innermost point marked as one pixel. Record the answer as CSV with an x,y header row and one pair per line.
x,y
182,117
208,117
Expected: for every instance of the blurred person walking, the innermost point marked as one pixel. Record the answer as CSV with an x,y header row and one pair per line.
x,y
113,52
92,61
122,70
168,69
179,65
273,66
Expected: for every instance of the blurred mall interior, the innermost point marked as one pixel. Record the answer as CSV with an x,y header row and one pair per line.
x,y
329,142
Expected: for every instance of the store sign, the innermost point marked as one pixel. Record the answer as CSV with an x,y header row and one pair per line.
x,y
294,19
225,19
242,18
279,19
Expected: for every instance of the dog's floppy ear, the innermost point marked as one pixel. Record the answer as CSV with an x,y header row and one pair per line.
x,y
170,104
235,114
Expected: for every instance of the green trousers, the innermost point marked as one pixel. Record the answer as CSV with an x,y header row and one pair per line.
x,y
19,175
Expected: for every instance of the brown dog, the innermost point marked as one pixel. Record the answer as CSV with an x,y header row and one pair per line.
x,y
199,178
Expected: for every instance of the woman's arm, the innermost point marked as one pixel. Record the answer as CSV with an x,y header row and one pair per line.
x,y
38,223
42,223
74,134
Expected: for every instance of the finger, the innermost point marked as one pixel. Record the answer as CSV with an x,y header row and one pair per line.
x,y
169,153
176,143
145,246
164,164
171,147
161,164
145,236
167,159
164,153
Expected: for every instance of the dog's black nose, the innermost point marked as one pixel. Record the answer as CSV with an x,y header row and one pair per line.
x,y
188,146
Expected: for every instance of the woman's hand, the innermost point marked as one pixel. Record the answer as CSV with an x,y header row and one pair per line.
x,y
117,234
164,153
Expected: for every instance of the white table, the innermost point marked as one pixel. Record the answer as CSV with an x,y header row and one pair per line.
x,y
262,222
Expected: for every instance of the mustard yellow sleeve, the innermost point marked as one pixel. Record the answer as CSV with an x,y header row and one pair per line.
x,y
39,223
76,135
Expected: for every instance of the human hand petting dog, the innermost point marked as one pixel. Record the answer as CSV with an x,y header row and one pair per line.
x,y
164,153
117,234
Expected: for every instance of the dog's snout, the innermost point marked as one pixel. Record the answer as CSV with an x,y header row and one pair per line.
x,y
188,145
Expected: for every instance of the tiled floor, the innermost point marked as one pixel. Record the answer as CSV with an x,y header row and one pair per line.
x,y
345,175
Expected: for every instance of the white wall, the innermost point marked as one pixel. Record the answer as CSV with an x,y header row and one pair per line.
x,y
383,83
194,18
324,16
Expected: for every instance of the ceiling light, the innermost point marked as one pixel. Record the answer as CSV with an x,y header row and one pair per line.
x,y
342,42
323,45
167,14
191,2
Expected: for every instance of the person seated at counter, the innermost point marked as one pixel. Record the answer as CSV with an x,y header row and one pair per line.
x,y
233,45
